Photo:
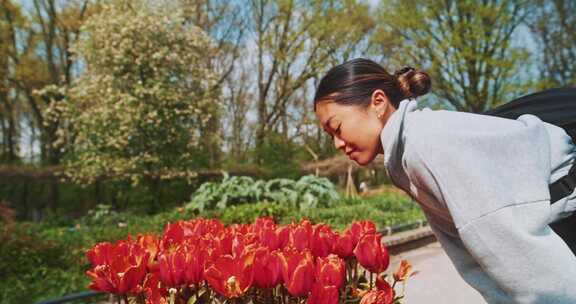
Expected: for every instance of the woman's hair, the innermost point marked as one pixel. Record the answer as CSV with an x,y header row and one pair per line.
x,y
354,81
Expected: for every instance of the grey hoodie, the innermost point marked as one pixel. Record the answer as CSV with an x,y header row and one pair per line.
x,y
482,182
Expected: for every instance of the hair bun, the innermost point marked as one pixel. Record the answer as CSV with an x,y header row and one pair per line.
x,y
412,83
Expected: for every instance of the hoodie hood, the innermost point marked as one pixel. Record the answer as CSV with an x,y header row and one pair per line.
x,y
393,138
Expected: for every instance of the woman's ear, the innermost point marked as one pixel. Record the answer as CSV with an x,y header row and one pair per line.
x,y
379,102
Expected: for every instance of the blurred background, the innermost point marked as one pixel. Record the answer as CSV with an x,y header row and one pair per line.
x,y
119,116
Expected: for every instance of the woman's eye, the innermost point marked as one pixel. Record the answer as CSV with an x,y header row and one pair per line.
x,y
338,129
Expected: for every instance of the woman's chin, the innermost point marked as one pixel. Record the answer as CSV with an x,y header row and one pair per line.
x,y
362,160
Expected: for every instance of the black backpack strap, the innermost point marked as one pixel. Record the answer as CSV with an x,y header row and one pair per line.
x,y
564,186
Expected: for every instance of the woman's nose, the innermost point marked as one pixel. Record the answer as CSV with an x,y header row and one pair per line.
x,y
338,143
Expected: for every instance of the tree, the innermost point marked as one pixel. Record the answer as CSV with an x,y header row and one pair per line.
x,y
144,95
225,22
295,41
11,19
43,59
466,46
554,27
238,102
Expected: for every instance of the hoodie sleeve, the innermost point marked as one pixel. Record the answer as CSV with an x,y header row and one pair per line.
x,y
495,186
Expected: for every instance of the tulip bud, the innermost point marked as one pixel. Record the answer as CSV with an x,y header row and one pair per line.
x,y
322,240
330,271
267,268
344,245
297,271
371,254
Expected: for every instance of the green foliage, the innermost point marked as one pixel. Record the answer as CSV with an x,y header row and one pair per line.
x,y
385,210
280,156
465,46
103,215
307,192
140,108
248,212
32,267
555,32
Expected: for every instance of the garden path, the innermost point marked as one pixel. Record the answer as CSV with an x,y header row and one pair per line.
x,y
437,281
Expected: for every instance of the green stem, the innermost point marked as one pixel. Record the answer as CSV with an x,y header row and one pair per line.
x,y
356,271
371,280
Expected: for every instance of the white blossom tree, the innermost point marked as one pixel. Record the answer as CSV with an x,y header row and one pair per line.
x,y
143,99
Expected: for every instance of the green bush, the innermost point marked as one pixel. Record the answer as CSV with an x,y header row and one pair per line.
x,y
249,212
385,210
33,268
307,192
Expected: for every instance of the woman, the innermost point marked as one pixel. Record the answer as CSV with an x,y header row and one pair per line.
x,y
482,181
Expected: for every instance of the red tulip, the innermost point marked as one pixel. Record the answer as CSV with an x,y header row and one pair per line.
x,y
263,223
322,240
344,246
181,265
121,270
151,244
323,295
283,233
383,295
371,254
222,243
270,238
212,248
152,290
243,243
300,235
179,231
173,233
235,229
266,231
330,271
404,271
377,297
202,227
297,271
383,285
358,229
231,276
101,253
267,268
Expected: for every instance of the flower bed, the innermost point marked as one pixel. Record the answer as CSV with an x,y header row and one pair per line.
x,y
203,261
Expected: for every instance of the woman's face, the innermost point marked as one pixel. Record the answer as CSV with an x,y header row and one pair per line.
x,y
356,129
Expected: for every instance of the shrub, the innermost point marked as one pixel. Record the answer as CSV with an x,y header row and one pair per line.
x,y
308,192
249,212
32,267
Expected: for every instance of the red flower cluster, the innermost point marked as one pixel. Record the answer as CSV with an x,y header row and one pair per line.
x,y
203,258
